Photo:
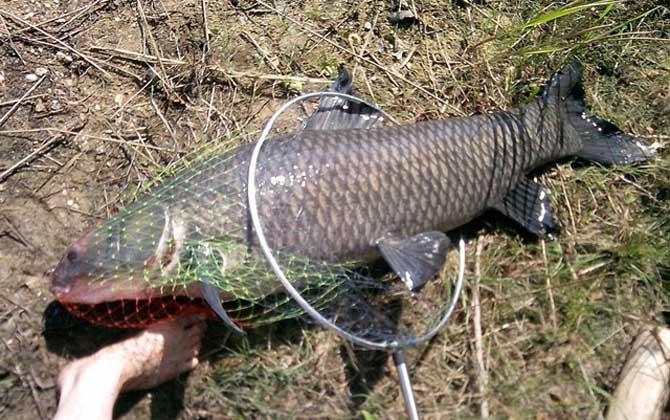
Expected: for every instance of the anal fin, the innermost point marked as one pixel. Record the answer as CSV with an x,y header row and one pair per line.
x,y
528,205
416,259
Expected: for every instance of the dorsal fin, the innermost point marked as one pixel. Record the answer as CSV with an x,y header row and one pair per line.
x,y
336,113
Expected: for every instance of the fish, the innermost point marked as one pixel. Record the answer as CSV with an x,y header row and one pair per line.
x,y
342,192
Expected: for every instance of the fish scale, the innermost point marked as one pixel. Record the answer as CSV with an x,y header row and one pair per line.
x,y
460,153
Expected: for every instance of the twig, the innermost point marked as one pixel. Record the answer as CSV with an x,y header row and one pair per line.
x,y
82,11
366,41
209,109
16,105
53,19
13,101
10,41
136,56
205,28
477,319
279,77
33,392
169,89
568,205
75,124
162,117
90,136
58,41
260,50
550,293
7,298
147,58
132,98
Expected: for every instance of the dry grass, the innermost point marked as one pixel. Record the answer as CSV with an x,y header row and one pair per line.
x,y
158,83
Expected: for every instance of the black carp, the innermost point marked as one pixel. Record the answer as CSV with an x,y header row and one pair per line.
x,y
340,192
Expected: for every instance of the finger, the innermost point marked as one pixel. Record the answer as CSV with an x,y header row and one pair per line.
x,y
190,364
193,340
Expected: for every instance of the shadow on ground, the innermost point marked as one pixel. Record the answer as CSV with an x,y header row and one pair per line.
x,y
73,338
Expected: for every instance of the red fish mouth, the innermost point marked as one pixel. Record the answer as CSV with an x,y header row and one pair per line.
x,y
83,290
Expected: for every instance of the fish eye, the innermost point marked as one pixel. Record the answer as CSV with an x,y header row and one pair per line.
x,y
72,255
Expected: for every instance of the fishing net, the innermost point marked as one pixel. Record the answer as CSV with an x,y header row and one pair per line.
x,y
150,262
370,308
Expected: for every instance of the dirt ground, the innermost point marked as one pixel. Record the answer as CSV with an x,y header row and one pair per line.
x,y
98,97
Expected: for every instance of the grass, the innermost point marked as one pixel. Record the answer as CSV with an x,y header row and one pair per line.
x,y
556,316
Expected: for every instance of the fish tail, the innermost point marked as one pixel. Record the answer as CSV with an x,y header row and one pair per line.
x,y
602,141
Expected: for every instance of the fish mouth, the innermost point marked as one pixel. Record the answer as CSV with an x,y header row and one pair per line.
x,y
83,290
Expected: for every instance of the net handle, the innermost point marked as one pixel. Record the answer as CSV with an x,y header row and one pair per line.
x,y
255,220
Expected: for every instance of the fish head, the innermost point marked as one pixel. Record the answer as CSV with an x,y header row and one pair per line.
x,y
132,256
74,270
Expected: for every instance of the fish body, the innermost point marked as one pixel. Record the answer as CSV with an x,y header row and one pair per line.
x,y
333,196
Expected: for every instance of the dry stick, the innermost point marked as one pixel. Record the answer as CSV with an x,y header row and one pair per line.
x,y
154,47
205,28
358,56
260,50
11,42
147,58
162,117
209,108
136,56
25,95
33,392
366,42
60,47
75,124
61,43
567,202
15,234
53,19
89,136
27,98
132,98
7,298
60,170
278,77
550,293
477,319
82,11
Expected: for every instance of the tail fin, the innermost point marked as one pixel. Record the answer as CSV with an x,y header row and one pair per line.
x,y
602,141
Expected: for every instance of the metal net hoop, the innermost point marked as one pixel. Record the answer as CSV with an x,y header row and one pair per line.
x,y
295,294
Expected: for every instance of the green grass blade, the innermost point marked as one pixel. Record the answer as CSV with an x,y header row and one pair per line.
x,y
558,14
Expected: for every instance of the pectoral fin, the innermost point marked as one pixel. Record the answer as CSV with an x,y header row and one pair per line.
x,y
528,205
416,259
210,294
